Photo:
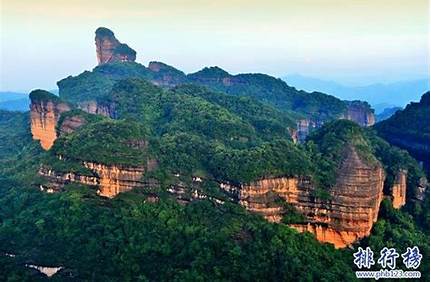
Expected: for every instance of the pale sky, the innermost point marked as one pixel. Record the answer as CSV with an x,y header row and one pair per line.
x,y
353,42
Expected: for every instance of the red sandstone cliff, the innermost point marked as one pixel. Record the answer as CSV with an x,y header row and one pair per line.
x,y
109,49
110,179
347,216
399,190
360,112
44,115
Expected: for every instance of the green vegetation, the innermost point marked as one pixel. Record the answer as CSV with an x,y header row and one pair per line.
x,y
39,95
397,229
192,131
98,83
410,129
129,239
106,142
328,147
264,88
272,91
103,31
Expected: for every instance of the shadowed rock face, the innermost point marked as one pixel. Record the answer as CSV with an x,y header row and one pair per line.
x,y
44,116
109,49
347,216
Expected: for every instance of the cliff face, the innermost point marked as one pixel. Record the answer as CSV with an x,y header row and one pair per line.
x,y
92,107
360,112
70,124
347,216
110,179
109,49
44,116
165,75
399,190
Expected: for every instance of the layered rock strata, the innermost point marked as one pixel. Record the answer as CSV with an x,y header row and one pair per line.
x,y
399,190
92,107
360,112
110,179
44,115
109,49
347,216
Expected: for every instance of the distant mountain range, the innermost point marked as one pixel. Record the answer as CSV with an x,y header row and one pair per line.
x,y
392,94
14,101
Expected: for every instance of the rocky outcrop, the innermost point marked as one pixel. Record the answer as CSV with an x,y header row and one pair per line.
x,y
44,114
165,75
92,107
345,217
110,179
70,124
421,189
109,49
360,112
399,190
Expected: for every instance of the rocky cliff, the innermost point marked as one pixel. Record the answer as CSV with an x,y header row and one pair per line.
x,y
45,111
109,179
109,49
92,107
399,190
165,75
70,124
347,216
360,112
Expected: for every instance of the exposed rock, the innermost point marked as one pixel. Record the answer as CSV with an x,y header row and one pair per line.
x,y
165,75
303,128
419,193
109,49
92,107
399,190
110,179
44,114
47,270
347,216
70,124
360,112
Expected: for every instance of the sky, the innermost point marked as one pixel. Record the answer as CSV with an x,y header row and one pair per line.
x,y
355,42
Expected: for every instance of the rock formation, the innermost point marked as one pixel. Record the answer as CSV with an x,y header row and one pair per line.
x,y
360,112
70,124
347,216
165,75
110,179
92,107
399,190
45,110
109,49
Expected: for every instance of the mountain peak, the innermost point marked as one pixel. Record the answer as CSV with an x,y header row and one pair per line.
x,y
109,49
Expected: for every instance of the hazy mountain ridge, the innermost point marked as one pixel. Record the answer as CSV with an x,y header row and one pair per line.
x,y
397,93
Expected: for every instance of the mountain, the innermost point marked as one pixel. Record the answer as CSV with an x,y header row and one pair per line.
x,y
20,105
387,113
396,93
14,101
8,96
410,129
136,173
